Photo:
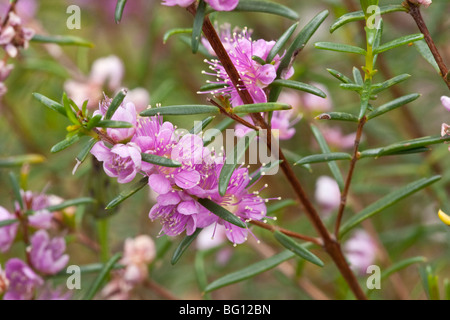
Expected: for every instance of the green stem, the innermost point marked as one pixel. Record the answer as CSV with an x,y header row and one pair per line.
x,y
103,231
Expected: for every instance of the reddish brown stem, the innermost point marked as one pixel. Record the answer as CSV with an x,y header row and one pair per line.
x,y
414,11
348,181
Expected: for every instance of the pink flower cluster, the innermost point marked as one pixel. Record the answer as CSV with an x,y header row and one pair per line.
x,y
178,188
13,36
46,255
218,5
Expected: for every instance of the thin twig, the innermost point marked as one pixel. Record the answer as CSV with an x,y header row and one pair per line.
x,y
414,11
348,181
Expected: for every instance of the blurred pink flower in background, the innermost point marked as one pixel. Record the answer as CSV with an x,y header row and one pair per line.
x,y
316,104
138,254
336,139
47,254
445,128
446,102
25,9
106,73
360,251
23,281
7,233
425,3
327,194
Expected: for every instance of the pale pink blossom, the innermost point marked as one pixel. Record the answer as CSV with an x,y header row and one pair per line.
x,y
327,194
360,250
138,254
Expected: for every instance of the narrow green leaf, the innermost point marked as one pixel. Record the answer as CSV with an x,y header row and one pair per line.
x,y
69,111
293,157
351,86
391,105
266,7
200,126
232,160
398,42
261,107
324,157
60,146
63,40
53,105
299,86
259,60
365,97
174,31
184,244
281,42
300,40
326,150
102,277
339,47
5,223
359,15
201,48
180,110
211,87
401,265
375,153
71,203
16,189
250,271
386,202
447,289
357,76
413,144
127,193
113,124
222,213
340,116
93,122
426,53
296,248
340,76
115,104
81,157
17,161
120,6
160,161
198,24
379,87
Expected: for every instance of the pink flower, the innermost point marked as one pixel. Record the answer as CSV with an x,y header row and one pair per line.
x,y
125,113
181,3
47,255
14,36
360,251
425,3
54,294
122,161
446,102
327,194
177,212
7,233
223,5
41,218
255,76
22,280
139,97
138,254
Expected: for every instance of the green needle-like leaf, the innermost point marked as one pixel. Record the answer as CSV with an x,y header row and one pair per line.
x,y
115,104
71,203
198,24
160,161
339,47
120,6
398,42
261,107
222,213
101,278
324,157
63,40
250,271
296,248
17,161
266,7
180,110
386,202
299,86
281,42
340,116
184,244
127,193
391,105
